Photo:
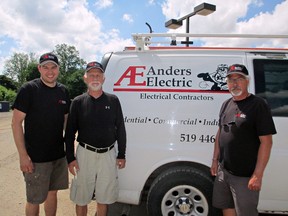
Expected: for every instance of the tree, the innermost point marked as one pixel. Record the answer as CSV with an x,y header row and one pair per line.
x,y
8,83
7,94
75,84
69,61
16,67
32,71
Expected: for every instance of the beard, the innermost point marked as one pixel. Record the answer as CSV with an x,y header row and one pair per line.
x,y
95,86
236,92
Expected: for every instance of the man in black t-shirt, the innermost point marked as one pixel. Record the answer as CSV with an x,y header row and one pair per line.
x,y
242,147
96,117
43,105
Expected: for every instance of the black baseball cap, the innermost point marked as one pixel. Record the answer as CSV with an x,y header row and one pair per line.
x,y
237,69
92,65
48,57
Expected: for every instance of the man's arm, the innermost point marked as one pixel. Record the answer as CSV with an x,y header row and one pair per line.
x,y
65,121
26,164
264,151
215,157
121,137
120,132
70,131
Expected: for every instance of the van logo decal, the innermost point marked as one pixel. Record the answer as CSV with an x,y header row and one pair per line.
x,y
218,78
170,79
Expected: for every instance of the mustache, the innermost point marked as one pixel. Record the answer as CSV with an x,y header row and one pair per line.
x,y
96,82
235,88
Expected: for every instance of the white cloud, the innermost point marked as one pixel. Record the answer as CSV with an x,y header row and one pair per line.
x,y
226,20
103,3
128,18
38,26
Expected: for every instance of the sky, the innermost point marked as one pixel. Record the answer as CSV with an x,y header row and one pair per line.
x,y
96,27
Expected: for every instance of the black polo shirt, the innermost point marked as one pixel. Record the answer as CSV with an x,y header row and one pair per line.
x,y
98,122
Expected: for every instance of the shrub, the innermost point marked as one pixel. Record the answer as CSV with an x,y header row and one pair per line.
x,y
7,94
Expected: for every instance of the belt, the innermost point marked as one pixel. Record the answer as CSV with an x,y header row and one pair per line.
x,y
97,150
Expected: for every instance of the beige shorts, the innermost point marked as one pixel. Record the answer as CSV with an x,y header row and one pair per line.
x,y
97,172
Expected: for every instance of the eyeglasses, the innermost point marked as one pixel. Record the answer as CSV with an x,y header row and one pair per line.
x,y
94,76
236,80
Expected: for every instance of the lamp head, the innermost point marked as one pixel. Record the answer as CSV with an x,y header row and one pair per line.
x,y
204,9
173,24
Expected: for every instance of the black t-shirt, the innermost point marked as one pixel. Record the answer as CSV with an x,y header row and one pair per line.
x,y
241,124
45,108
99,123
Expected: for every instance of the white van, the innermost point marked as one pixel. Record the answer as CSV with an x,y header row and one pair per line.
x,y
171,97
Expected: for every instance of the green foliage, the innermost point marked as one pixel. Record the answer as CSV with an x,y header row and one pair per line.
x,y
8,83
16,67
32,71
75,84
69,61
7,94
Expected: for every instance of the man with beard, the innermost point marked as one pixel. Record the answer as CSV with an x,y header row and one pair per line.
x,y
242,147
97,118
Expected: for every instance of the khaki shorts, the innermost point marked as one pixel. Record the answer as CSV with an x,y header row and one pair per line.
x,y
97,172
48,176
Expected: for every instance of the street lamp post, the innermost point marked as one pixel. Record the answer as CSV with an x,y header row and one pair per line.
x,y
203,9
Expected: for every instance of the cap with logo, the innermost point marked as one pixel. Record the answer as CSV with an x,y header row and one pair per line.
x,y
48,57
95,65
237,69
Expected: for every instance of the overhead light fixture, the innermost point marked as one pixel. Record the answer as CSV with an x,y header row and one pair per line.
x,y
173,24
203,9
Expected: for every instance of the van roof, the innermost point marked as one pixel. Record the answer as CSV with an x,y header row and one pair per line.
x,y
144,40
210,48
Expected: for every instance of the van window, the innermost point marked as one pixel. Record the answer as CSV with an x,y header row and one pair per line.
x,y
271,83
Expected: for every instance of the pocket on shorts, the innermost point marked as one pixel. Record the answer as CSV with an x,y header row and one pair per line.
x,y
220,174
112,157
32,179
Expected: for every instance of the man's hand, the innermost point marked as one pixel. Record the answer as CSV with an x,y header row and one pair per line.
x,y
26,165
121,163
255,183
214,167
73,167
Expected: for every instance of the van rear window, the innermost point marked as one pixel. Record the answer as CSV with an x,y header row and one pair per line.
x,y
271,83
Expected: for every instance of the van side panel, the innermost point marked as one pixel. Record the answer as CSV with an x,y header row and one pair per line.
x,y
170,104
171,101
